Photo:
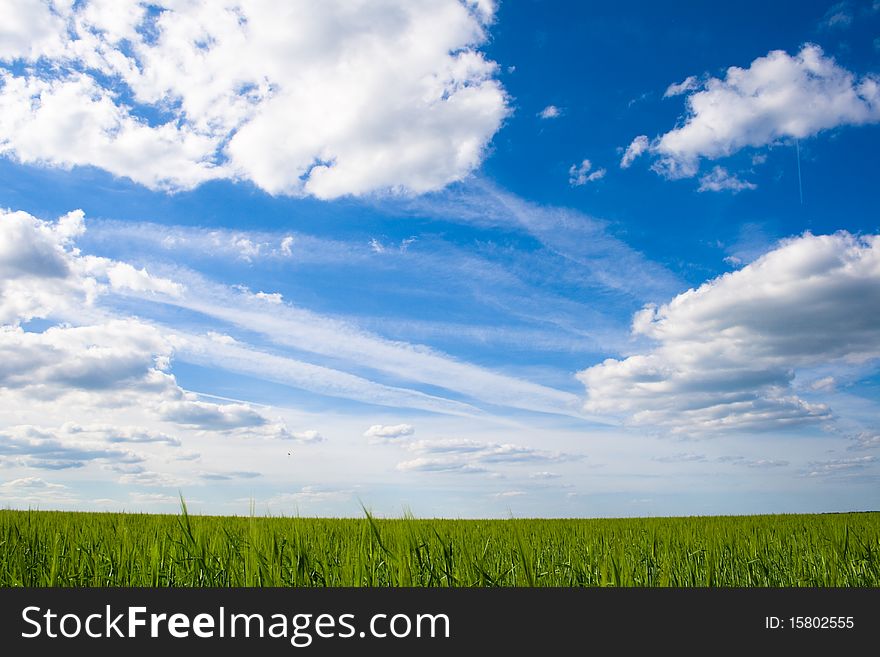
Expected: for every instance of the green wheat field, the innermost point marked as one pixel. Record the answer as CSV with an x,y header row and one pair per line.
x,y
49,548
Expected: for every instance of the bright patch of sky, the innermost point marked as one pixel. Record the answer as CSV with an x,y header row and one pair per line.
x,y
465,258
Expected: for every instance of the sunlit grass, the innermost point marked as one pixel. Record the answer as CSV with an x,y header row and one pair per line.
x,y
47,548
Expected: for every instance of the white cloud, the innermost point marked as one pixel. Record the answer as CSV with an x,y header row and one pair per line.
x,y
688,84
59,448
638,146
308,495
388,95
153,479
544,475
307,436
153,498
583,243
378,247
778,96
270,297
36,276
209,416
236,357
113,362
126,357
196,243
825,383
29,29
550,112
73,121
866,440
389,432
115,356
34,490
681,457
425,464
301,329
839,467
121,434
838,16
721,180
229,476
30,483
471,456
43,275
580,174
753,463
123,276
726,353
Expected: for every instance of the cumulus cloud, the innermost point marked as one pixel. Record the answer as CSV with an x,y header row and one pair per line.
x,y
270,297
36,276
579,174
34,490
113,356
778,96
382,432
109,363
30,483
721,180
638,146
326,99
307,436
42,273
123,276
209,416
550,112
58,448
123,434
30,30
726,353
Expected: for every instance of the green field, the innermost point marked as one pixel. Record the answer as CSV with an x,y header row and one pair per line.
x,y
47,548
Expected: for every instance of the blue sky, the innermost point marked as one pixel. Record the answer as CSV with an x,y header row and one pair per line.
x,y
470,259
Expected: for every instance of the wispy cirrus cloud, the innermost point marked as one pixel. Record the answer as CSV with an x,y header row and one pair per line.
x,y
471,456
597,258
141,351
851,467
